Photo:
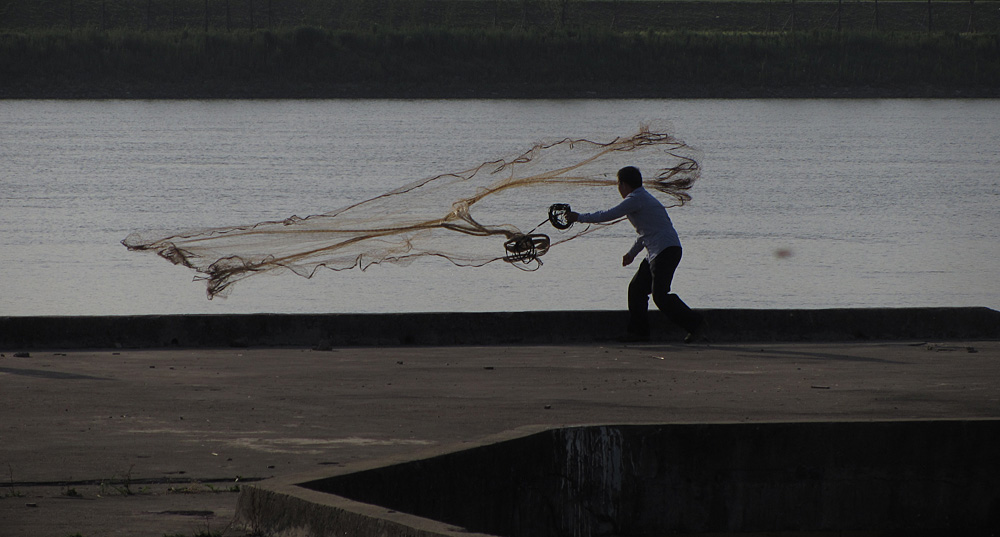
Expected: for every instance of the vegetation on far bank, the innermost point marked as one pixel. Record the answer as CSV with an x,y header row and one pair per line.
x,y
313,62
496,48
580,15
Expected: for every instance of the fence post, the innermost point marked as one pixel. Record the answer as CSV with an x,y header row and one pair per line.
x,y
839,8
929,17
206,16
876,15
972,16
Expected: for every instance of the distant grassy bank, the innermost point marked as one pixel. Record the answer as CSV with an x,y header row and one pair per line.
x,y
545,15
312,62
497,48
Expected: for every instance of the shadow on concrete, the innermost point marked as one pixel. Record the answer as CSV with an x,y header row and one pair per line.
x,y
766,352
56,375
823,356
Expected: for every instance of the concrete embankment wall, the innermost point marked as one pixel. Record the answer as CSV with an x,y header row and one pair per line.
x,y
508,328
928,477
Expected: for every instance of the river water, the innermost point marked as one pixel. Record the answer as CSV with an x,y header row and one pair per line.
x,y
802,203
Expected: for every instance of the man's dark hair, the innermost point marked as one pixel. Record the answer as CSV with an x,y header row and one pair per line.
x,y
631,176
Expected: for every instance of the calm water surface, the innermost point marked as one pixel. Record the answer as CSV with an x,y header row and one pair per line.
x,y
880,203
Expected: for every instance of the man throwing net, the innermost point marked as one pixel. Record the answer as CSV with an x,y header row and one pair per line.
x,y
663,253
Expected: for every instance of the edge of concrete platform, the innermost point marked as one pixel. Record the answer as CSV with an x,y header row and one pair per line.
x,y
282,506
498,328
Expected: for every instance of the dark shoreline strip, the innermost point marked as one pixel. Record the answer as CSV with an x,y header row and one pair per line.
x,y
325,331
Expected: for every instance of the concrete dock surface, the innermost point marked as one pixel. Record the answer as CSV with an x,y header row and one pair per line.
x,y
157,442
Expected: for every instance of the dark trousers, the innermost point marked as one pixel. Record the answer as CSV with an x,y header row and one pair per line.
x,y
654,279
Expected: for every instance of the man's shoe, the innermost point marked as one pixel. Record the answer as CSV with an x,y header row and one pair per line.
x,y
698,333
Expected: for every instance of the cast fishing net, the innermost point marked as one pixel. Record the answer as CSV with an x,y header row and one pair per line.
x,y
488,213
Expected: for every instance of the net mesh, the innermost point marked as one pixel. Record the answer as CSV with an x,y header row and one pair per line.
x,y
470,218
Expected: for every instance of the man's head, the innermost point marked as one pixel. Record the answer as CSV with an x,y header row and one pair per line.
x,y
629,179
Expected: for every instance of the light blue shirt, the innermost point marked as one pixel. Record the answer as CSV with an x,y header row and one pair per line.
x,y
648,217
